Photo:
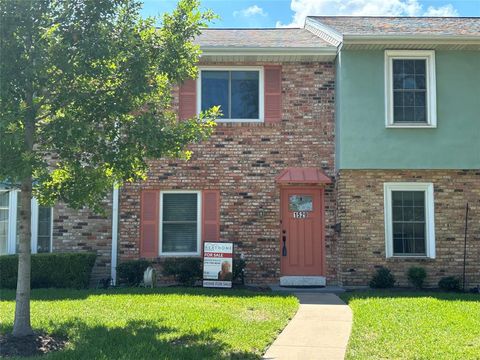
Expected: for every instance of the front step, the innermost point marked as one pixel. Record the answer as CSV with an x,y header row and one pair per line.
x,y
303,281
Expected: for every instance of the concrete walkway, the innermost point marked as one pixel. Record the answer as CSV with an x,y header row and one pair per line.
x,y
319,330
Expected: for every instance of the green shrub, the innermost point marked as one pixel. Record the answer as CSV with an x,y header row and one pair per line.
x,y
59,270
449,283
382,279
237,272
8,271
417,275
131,272
185,270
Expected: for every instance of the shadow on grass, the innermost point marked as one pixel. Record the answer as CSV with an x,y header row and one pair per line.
x,y
401,293
73,294
140,340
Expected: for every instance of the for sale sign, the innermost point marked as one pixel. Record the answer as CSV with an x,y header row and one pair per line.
x,y
217,264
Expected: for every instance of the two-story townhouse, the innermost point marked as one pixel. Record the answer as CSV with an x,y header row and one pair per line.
x,y
407,144
265,179
271,157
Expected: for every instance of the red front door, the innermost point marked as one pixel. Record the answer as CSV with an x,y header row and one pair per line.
x,y
302,237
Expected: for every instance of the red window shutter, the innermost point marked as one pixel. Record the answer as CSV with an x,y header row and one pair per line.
x,y
273,93
149,220
211,215
187,103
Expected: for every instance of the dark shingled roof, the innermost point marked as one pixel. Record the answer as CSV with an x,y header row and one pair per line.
x,y
260,38
436,26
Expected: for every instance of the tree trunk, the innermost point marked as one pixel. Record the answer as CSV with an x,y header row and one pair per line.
x,y
22,326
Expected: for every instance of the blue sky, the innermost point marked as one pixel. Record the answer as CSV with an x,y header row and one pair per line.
x,y
274,13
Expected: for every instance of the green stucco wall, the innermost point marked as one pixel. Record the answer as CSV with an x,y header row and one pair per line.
x,y
363,141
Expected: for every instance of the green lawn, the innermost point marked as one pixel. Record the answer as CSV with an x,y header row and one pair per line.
x,y
414,325
170,323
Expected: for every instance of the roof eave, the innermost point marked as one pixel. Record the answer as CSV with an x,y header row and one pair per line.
x,y
325,32
224,51
410,39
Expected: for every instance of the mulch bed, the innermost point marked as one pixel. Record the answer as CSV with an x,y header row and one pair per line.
x,y
37,344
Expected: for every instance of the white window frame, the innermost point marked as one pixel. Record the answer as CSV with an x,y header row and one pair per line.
x,y
427,188
431,96
261,90
12,223
199,223
34,223
12,218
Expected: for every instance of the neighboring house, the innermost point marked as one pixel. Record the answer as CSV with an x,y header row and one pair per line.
x,y
407,144
58,229
41,221
346,145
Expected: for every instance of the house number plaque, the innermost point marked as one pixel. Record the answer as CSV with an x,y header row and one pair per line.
x,y
299,214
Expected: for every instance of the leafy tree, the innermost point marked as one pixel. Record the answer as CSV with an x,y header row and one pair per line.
x,y
88,84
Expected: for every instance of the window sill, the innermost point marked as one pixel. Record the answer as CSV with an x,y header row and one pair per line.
x,y
410,126
222,125
410,257
162,255
220,121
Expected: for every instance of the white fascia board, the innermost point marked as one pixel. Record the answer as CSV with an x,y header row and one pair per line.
x,y
410,39
328,32
233,51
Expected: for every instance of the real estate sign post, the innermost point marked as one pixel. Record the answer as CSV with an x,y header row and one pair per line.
x,y
217,264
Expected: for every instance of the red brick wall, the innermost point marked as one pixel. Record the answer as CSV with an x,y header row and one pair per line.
x,y
362,238
84,231
242,161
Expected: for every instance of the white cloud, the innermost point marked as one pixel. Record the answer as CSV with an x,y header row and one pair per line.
x,y
447,10
250,11
303,8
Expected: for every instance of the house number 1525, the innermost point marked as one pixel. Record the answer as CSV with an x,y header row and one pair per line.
x,y
299,214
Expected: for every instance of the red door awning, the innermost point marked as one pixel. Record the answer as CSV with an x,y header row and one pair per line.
x,y
302,175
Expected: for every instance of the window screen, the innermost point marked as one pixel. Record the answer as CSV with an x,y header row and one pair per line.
x,y
4,201
179,223
236,92
409,90
44,229
408,217
19,221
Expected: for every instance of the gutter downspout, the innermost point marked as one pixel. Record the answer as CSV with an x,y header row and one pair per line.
x,y
113,271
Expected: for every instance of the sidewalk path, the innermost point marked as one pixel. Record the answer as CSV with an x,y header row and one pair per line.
x,y
319,330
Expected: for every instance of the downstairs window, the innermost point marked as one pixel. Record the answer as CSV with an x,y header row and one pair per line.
x,y
180,216
41,224
409,222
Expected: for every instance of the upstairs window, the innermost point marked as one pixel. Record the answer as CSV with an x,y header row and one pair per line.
x,y
238,92
410,88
